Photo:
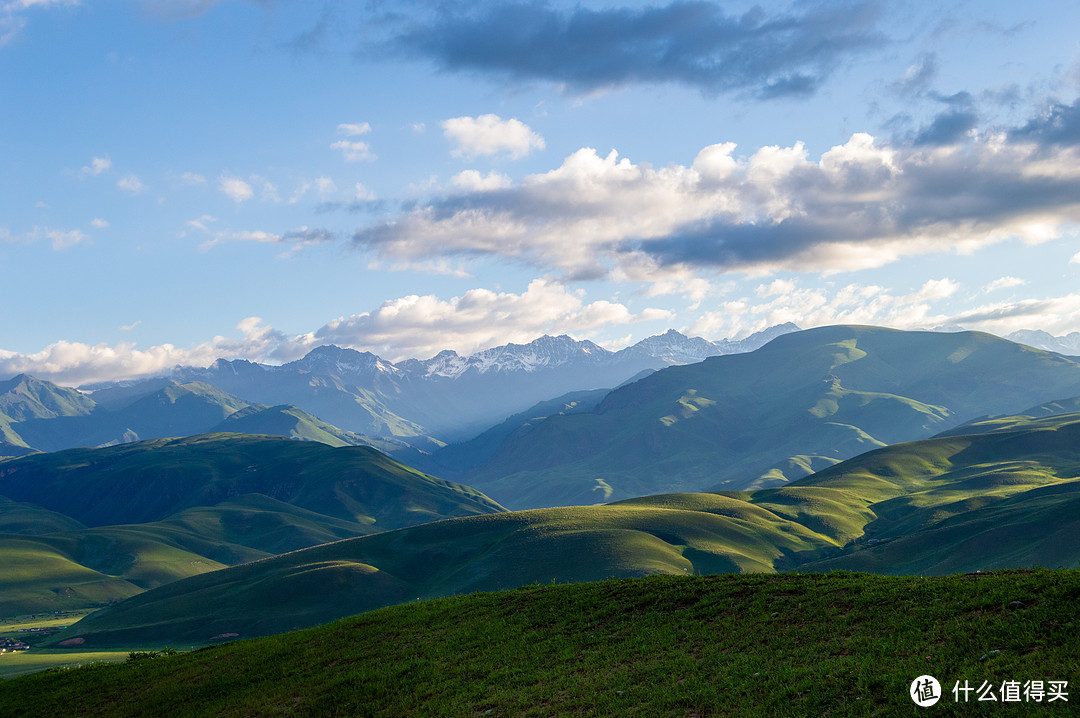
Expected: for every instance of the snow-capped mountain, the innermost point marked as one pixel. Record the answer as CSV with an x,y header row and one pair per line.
x,y
1068,344
449,396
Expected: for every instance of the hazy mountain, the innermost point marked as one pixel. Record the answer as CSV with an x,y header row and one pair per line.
x,y
55,418
798,404
1068,344
946,505
450,397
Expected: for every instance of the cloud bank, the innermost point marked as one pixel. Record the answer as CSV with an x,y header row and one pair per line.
x,y
861,204
764,53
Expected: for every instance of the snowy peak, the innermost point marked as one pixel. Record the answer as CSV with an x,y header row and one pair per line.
x,y
547,352
1068,344
347,363
673,347
756,340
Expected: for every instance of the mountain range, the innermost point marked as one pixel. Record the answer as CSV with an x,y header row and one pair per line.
x,y
802,402
448,397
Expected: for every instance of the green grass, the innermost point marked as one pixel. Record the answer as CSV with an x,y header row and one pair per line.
x,y
947,505
770,645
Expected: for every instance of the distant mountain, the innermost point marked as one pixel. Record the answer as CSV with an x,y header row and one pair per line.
x,y
798,404
1068,344
47,417
940,506
448,397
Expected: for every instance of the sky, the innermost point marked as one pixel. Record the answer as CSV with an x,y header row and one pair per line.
x,y
182,180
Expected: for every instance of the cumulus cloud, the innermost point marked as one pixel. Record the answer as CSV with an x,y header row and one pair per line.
x,y
353,150
861,204
491,135
694,43
97,166
235,188
99,223
420,326
58,238
1003,283
473,181
131,183
411,326
785,301
74,363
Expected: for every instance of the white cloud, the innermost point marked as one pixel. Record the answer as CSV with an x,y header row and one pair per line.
x,y
354,130
129,327
74,363
420,326
99,223
202,223
353,150
1003,283
1075,259
785,301
59,238
362,193
192,178
418,127
97,166
491,135
861,205
473,181
296,239
411,326
325,185
131,183
235,188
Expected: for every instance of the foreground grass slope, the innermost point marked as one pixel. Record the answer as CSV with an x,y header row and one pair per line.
x,y
777,645
957,503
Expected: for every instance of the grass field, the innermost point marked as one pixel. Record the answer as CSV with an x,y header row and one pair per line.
x,y
773,645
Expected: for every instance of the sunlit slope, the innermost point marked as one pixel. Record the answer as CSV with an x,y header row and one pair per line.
x,y
964,503
149,480
802,402
666,535
72,569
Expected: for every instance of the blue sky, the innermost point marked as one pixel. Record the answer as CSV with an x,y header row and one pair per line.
x,y
187,179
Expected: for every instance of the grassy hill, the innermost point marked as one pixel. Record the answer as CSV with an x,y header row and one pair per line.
x,y
800,403
776,645
975,502
149,480
168,509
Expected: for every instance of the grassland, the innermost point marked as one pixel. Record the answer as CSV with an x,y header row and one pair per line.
x,y
1000,499
771,645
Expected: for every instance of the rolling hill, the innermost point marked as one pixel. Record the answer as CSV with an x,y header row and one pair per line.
x,y
952,504
166,509
802,402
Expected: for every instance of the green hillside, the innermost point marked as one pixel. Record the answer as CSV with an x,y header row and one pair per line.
x,y
802,402
779,645
965,503
168,509
290,422
149,480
